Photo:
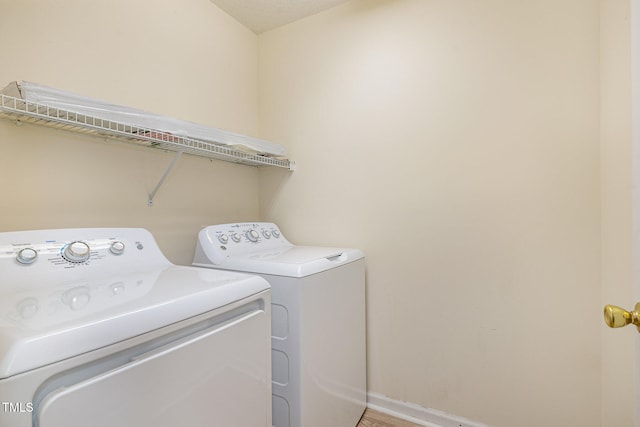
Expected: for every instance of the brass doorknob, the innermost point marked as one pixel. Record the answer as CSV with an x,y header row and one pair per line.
x,y
616,317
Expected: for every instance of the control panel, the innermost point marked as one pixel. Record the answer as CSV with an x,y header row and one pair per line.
x,y
240,239
30,259
67,253
247,233
48,275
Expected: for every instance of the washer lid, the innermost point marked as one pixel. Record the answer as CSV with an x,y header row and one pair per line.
x,y
51,323
289,261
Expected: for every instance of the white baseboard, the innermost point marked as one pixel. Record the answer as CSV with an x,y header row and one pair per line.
x,y
417,414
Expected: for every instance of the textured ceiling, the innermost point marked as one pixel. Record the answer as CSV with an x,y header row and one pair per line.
x,y
264,15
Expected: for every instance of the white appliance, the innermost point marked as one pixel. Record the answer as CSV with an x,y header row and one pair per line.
x,y
98,328
318,320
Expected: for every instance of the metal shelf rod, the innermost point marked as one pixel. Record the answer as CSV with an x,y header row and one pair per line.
x,y
164,176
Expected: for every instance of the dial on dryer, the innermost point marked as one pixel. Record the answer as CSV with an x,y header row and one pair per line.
x,y
76,252
117,248
27,256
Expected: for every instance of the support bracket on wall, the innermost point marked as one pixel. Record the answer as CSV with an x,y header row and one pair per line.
x,y
163,177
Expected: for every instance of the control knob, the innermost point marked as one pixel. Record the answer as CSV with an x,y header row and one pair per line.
x,y
253,235
117,248
236,237
275,233
27,256
266,234
76,252
223,238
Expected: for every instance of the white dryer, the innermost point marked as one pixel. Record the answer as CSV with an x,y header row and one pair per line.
x,y
98,328
318,320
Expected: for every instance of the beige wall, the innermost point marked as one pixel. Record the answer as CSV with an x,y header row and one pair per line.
x,y
456,143
183,58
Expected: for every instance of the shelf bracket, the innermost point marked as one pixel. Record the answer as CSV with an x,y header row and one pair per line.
x,y
164,176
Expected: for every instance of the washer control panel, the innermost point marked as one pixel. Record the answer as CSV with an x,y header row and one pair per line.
x,y
256,233
242,238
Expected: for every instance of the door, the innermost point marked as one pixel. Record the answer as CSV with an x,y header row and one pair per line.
x,y
620,203
635,135
216,376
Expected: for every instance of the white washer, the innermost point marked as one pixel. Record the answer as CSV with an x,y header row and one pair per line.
x,y
318,320
98,328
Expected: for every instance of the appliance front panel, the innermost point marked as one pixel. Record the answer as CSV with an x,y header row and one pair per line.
x,y
214,377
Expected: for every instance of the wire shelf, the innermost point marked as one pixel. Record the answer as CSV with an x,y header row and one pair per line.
x,y
23,111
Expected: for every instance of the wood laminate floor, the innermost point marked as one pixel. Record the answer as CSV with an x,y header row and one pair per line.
x,y
377,419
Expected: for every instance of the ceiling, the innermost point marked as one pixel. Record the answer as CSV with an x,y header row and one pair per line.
x,y
263,15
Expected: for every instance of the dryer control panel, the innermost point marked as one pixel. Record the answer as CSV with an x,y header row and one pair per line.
x,y
52,276
45,256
